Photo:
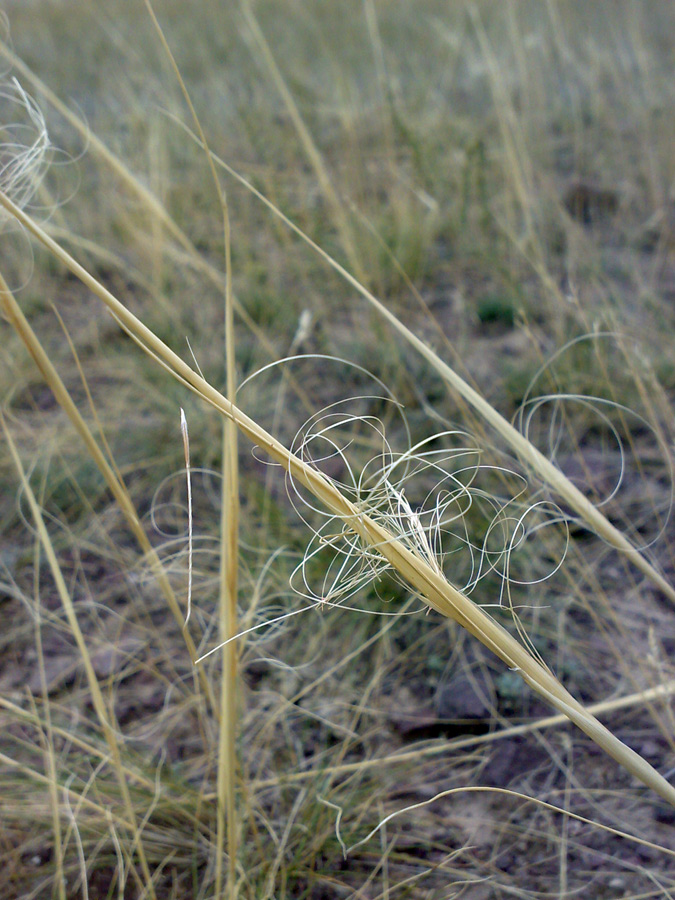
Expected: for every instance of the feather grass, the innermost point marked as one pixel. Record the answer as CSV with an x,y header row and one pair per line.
x,y
525,450
417,572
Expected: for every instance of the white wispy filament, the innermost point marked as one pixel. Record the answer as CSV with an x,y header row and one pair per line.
x,y
24,146
186,450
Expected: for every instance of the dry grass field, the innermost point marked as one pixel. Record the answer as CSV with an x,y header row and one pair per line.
x,y
338,556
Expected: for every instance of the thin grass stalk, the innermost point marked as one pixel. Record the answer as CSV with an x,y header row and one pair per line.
x,y
59,884
229,529
227,760
183,805
112,479
564,836
92,681
310,148
512,139
47,737
226,819
522,447
90,399
439,594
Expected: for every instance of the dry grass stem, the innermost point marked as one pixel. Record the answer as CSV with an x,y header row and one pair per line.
x,y
227,825
437,592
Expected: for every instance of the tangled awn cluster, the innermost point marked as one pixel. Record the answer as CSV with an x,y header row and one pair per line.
x,y
24,145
